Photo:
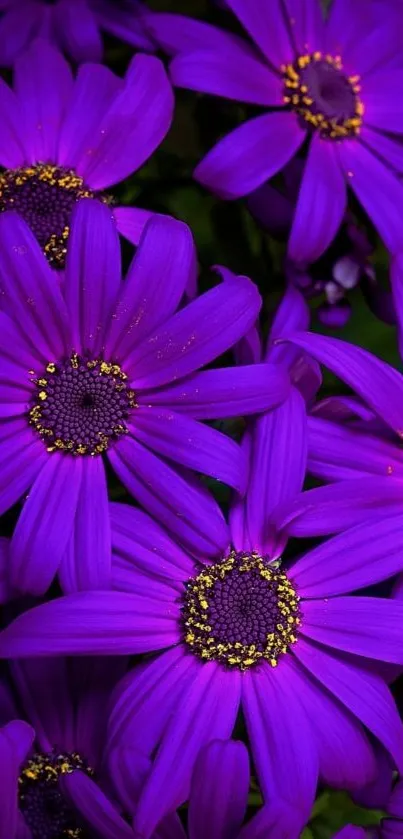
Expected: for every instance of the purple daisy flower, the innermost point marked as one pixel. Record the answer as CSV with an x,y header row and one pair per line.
x,y
285,644
331,82
64,138
72,25
55,783
110,368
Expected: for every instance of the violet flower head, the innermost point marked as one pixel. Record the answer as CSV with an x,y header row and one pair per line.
x,y
102,368
55,783
72,25
284,643
332,83
64,138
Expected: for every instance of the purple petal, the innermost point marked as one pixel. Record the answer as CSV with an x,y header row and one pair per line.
x,y
292,315
195,335
377,188
363,692
382,101
147,698
230,72
131,221
387,147
17,27
189,443
95,89
267,25
226,392
95,808
178,34
78,31
334,508
251,154
203,716
395,803
139,540
277,466
15,742
91,684
5,593
86,563
128,768
364,626
321,203
346,758
306,24
22,456
284,755
219,791
154,286
273,822
30,294
378,384
45,524
92,623
92,276
337,452
378,45
43,84
11,148
350,832
188,510
134,125
51,711
240,539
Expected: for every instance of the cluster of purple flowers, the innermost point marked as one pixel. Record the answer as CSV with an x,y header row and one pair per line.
x,y
174,663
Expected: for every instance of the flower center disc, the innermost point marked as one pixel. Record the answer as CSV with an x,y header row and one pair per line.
x,y
45,810
240,612
81,405
323,95
45,196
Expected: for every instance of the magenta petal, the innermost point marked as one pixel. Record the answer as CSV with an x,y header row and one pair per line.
x,y
351,832
306,23
277,466
95,88
155,284
86,563
219,790
51,712
364,626
285,758
17,27
250,155
195,335
203,716
382,100
131,221
376,382
94,807
267,25
321,203
92,276
230,72
350,683
189,443
45,524
30,295
43,84
22,456
226,392
188,510
92,623
178,34
133,126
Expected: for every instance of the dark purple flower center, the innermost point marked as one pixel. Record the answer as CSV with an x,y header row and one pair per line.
x,y
317,88
45,196
240,612
81,405
46,811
